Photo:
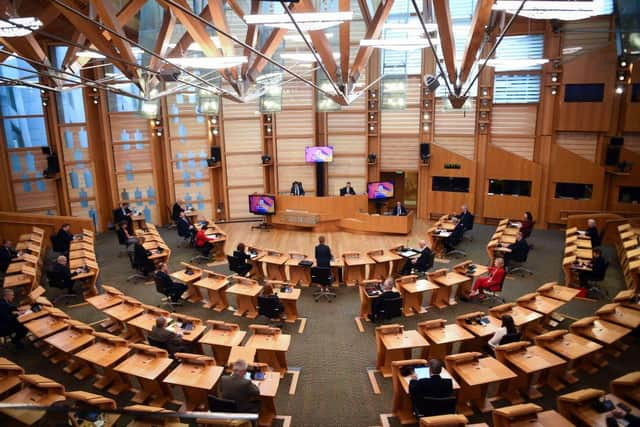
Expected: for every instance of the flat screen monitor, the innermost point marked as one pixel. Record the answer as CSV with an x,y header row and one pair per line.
x,y
380,190
262,204
318,154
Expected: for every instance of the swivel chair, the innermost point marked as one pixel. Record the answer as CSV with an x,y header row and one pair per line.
x,y
517,265
167,299
493,293
425,406
203,255
242,269
139,274
271,308
388,309
55,281
322,277
594,290
468,235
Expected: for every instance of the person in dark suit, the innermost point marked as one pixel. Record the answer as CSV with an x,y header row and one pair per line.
x,y
123,234
519,250
123,214
9,324
455,237
141,256
169,340
399,209
63,274
527,225
465,217
7,253
296,189
387,293
598,268
184,226
434,386
239,389
243,259
592,232
347,190
62,240
422,263
323,253
173,289
177,208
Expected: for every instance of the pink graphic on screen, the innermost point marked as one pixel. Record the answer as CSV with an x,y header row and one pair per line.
x,y
262,205
380,190
318,154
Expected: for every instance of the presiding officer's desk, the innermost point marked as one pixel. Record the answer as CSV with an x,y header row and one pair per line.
x,y
334,213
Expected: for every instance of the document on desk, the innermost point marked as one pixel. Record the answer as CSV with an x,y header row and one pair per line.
x,y
408,253
444,233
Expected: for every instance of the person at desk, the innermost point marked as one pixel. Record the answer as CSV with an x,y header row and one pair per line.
x,y
450,242
465,217
347,190
527,225
164,338
123,213
202,241
323,254
184,226
432,386
422,263
242,391
598,267
593,234
176,209
173,289
141,256
123,234
267,292
632,420
492,282
63,275
296,189
378,303
519,250
9,324
507,333
243,259
399,209
7,253
61,241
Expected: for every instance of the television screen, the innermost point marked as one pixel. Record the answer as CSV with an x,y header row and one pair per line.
x,y
261,204
380,190
509,187
318,154
570,190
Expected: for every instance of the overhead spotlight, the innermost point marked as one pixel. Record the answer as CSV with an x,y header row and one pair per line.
x,y
42,91
157,122
371,128
214,120
370,116
619,89
622,62
431,82
94,89
425,116
373,94
621,76
268,129
554,77
268,118
96,100
158,131
214,131
44,103
485,92
425,128
554,90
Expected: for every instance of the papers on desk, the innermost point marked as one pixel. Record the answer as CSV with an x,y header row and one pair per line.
x,y
443,233
408,253
582,233
253,255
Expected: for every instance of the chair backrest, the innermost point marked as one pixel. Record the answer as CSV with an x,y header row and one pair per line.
x,y
471,221
390,308
321,275
54,279
158,344
217,404
524,255
498,287
122,239
509,338
159,285
427,406
233,263
268,306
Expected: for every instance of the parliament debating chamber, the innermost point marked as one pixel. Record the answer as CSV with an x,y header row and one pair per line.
x,y
320,213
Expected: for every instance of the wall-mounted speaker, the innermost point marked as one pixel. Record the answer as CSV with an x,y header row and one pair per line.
x,y
425,151
613,155
215,154
616,141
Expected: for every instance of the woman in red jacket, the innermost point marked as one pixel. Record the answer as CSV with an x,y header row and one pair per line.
x,y
492,282
202,241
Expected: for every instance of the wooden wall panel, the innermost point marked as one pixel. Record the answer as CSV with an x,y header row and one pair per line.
x,y
399,153
520,146
513,128
294,124
440,202
632,142
346,133
13,224
346,123
582,144
239,201
403,122
462,145
36,195
291,164
454,129
632,180
297,95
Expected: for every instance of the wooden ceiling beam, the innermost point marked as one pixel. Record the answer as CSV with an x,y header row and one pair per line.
x,y
479,22
236,8
447,42
345,41
366,14
162,42
320,42
107,14
70,57
129,10
186,39
216,7
373,32
251,37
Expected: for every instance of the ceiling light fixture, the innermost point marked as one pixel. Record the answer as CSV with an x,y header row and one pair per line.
x,y
400,45
208,62
19,27
303,57
90,54
562,10
306,21
515,64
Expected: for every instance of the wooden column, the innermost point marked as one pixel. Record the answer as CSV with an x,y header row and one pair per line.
x,y
427,115
373,118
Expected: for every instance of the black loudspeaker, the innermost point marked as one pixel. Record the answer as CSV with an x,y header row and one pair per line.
x,y
616,141
425,151
613,155
215,154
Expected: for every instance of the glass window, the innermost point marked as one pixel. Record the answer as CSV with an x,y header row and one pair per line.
x,y
25,132
571,190
122,102
518,87
71,106
629,195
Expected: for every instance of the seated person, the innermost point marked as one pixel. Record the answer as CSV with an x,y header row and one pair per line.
x,y
202,241
141,256
184,226
239,389
172,289
455,237
492,282
435,386
243,260
627,417
387,293
63,274
519,250
123,213
508,333
421,263
527,225
123,234
177,208
465,217
598,269
7,253
347,190
296,189
62,240
9,324
168,340
399,209
267,292
593,234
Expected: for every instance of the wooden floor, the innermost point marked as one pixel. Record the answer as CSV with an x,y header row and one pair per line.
x,y
305,241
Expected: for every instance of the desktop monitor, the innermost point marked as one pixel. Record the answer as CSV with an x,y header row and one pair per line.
x,y
262,204
318,154
380,190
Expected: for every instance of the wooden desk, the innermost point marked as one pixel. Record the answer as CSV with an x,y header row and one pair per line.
x,y
412,291
442,337
394,343
246,292
53,321
275,265
402,404
289,301
483,331
463,269
555,291
256,255
66,342
619,314
527,361
528,415
248,354
9,375
96,401
38,391
604,332
576,350
121,313
383,262
222,337
140,420
448,284
268,390
299,275
196,375
374,223
522,317
627,387
477,372
190,337
148,366
366,299
189,275
100,359
574,406
336,271
215,285
140,326
355,267
271,346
